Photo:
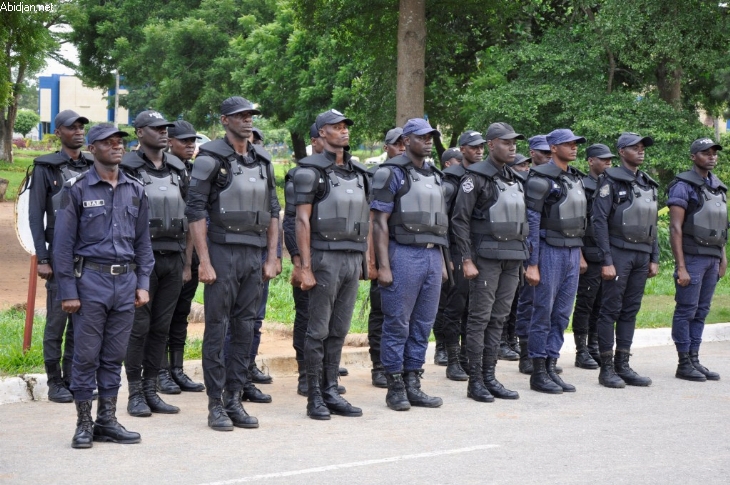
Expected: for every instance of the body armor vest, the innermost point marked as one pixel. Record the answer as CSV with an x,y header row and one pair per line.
x,y
591,251
166,205
705,224
565,220
68,171
340,219
634,220
419,216
499,231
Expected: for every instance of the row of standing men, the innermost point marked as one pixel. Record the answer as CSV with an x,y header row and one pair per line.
x,y
498,221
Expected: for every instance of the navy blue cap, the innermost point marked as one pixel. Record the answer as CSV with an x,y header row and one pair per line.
x,y
503,131
519,158
181,130
419,126
331,117
703,144
313,131
539,143
471,138
257,134
630,139
237,104
150,118
562,135
68,117
452,153
599,150
103,131
393,135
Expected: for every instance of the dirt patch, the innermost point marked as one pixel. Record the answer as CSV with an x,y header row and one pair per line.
x,y
16,264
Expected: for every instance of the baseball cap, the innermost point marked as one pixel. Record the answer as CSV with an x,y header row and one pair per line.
x,y
103,131
539,143
150,118
393,135
181,129
519,158
419,126
599,150
237,104
562,135
68,117
703,144
630,139
313,131
332,117
452,153
471,138
503,131
258,134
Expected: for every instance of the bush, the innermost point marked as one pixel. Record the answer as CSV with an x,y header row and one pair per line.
x,y
19,143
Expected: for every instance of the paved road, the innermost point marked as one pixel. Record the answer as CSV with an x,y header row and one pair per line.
x,y
672,432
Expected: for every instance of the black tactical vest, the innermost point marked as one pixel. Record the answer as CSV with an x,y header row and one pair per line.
x,y
419,216
591,251
705,223
499,229
241,213
633,220
60,162
564,219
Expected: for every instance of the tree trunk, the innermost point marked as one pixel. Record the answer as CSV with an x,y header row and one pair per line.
x,y
7,117
300,148
411,79
6,139
669,83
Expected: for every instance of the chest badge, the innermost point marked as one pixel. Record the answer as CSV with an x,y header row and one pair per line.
x,y
605,190
429,186
93,203
467,185
162,187
252,179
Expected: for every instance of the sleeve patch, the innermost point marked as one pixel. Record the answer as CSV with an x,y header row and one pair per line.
x,y
467,185
605,190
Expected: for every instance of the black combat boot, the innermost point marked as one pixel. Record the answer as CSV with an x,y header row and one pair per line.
x,y
463,356
592,347
238,416
454,370
607,376
302,379
412,381
185,383
489,367
505,351
583,358
332,399
251,392
106,426
343,371
316,408
57,391
687,371
694,357
550,369
396,399
476,389
218,419
525,365
378,376
83,436
625,372
258,377
165,383
439,356
540,381
154,402
137,405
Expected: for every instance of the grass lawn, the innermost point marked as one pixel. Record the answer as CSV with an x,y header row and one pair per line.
x,y
15,172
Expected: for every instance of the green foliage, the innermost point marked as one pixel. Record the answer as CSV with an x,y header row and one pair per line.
x,y
12,359
26,121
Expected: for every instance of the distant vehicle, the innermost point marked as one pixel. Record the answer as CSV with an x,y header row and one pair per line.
x,y
376,160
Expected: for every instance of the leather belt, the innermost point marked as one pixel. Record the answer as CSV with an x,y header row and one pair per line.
x,y
114,269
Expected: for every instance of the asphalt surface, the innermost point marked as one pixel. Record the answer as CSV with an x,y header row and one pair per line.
x,y
672,432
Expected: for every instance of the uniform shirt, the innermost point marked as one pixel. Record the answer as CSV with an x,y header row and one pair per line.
x,y
397,180
474,195
105,225
199,200
46,182
682,194
603,209
534,218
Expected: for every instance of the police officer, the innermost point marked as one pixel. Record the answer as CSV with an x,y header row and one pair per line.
x,y
452,325
393,147
233,184
588,300
521,165
332,225
698,234
103,260
409,226
165,181
172,378
50,172
625,227
450,157
539,150
556,205
490,213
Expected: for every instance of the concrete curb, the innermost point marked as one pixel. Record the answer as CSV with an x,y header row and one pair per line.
x,y
34,387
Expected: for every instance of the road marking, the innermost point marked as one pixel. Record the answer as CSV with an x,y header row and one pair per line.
x,y
353,464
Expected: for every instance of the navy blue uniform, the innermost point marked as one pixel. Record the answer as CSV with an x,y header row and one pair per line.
x,y
108,227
